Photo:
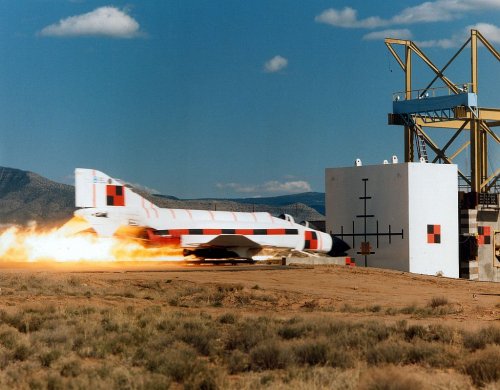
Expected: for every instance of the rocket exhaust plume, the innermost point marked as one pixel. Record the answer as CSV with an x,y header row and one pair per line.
x,y
74,243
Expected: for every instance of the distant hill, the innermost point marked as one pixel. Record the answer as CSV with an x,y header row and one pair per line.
x,y
315,200
299,211
26,196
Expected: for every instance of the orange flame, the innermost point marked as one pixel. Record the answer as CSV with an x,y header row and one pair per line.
x,y
30,245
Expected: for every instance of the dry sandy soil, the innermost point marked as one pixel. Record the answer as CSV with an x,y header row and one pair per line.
x,y
325,288
116,302
478,303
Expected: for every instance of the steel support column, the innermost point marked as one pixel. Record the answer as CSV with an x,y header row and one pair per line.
x,y
475,127
409,151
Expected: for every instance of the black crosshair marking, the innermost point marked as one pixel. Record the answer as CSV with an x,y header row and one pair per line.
x,y
367,249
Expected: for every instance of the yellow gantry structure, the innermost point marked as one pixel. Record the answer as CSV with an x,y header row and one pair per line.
x,y
456,112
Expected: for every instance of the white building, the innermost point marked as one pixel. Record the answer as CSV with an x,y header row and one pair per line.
x,y
397,216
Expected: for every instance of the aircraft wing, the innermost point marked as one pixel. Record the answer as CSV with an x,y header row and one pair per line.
x,y
231,241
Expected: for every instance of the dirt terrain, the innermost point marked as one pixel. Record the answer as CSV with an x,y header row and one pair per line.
x,y
155,326
336,286
325,287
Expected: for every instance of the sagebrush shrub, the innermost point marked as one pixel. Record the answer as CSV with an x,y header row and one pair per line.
x,y
484,366
270,356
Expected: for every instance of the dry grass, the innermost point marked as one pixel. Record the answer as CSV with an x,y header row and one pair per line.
x,y
155,335
484,366
389,378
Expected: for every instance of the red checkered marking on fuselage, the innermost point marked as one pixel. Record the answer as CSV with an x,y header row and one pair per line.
x,y
311,240
115,195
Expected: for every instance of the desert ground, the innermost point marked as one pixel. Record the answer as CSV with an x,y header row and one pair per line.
x,y
155,326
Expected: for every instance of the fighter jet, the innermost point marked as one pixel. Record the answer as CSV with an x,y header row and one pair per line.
x,y
110,206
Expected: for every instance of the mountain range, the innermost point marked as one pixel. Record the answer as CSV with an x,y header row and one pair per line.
x,y
315,200
26,196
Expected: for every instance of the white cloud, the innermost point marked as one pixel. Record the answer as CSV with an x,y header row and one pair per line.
x,y
292,187
442,10
379,35
348,18
103,21
275,64
237,187
270,187
144,188
490,32
445,43
429,11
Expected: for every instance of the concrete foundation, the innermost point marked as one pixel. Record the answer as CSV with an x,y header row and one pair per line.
x,y
321,261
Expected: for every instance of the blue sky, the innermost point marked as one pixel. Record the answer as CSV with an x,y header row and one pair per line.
x,y
222,98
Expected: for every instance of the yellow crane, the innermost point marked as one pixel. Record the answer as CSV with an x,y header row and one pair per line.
x,y
456,109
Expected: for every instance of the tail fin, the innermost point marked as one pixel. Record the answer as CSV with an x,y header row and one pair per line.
x,y
96,189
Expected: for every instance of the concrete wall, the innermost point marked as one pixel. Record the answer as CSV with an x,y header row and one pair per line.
x,y
480,234
433,200
387,188
390,207
488,264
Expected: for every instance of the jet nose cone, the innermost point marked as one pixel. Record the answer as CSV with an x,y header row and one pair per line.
x,y
339,247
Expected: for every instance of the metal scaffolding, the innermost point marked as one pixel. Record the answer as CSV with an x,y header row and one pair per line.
x,y
419,109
